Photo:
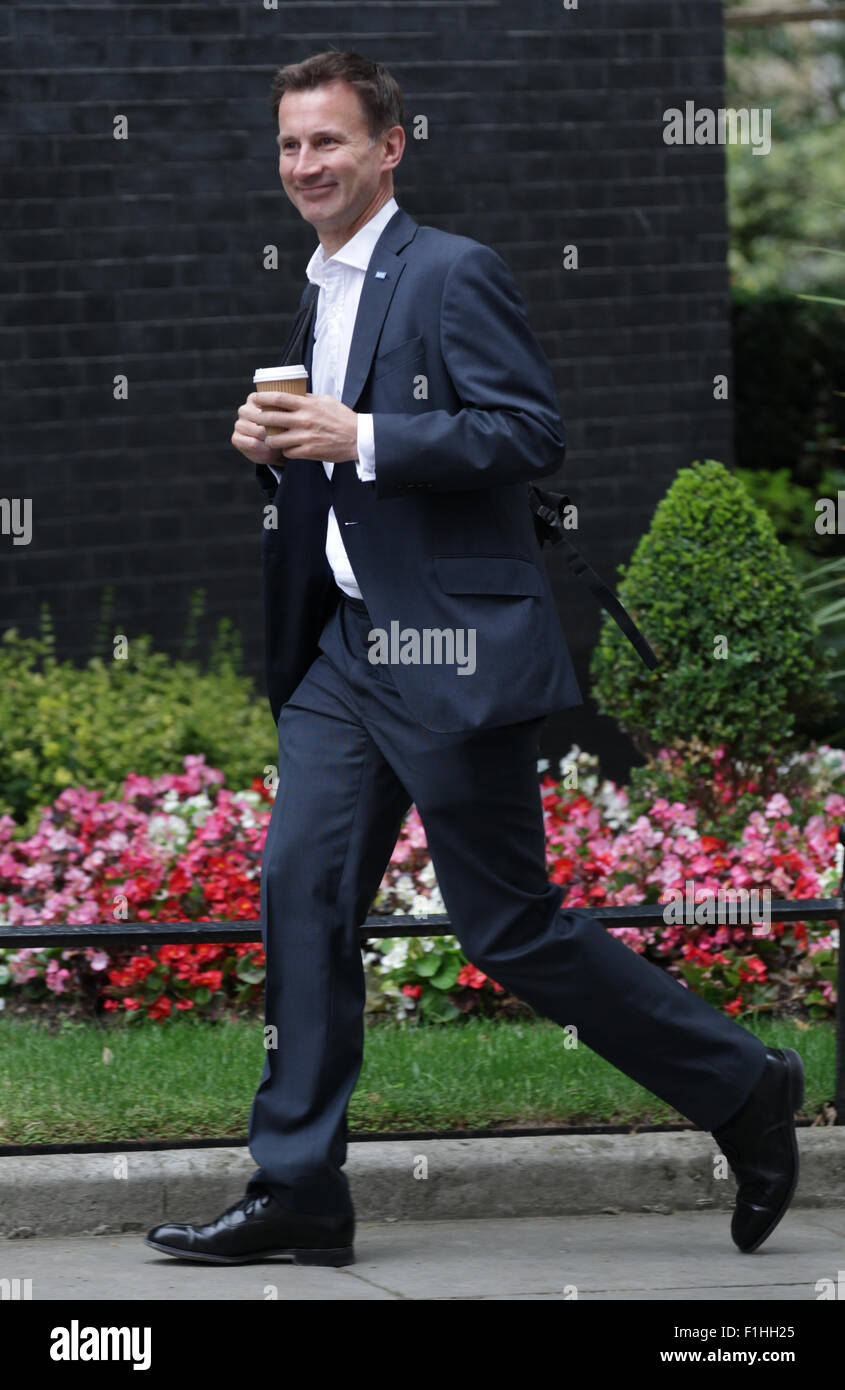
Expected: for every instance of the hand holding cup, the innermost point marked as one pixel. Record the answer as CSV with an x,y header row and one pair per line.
x,y
251,430
280,418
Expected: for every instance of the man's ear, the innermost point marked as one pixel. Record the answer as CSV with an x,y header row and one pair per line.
x,y
395,133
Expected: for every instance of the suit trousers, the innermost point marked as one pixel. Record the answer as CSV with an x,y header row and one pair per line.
x,y
351,762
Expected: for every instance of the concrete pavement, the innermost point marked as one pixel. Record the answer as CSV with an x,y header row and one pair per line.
x,y
686,1256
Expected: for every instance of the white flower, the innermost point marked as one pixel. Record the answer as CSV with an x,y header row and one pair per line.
x,y
396,957
435,901
422,906
613,806
250,798
168,831
569,759
197,808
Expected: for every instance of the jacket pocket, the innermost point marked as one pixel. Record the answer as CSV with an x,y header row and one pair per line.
x,y
398,356
487,574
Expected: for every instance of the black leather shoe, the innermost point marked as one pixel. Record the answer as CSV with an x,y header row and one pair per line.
x,y
759,1144
258,1228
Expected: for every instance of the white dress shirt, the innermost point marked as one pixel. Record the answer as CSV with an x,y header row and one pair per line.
x,y
341,279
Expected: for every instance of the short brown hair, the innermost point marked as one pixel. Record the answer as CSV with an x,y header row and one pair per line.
x,y
378,91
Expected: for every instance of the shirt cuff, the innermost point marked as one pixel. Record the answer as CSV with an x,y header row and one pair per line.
x,y
366,461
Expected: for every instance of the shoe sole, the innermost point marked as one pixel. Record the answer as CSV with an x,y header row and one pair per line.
x,y
344,1255
796,1096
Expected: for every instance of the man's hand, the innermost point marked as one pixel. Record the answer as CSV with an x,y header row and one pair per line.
x,y
315,427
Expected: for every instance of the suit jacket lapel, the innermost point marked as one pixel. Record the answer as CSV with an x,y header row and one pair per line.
x,y
376,294
380,282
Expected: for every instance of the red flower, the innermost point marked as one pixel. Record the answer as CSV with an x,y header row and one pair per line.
x,y
180,881
710,842
413,990
561,871
212,978
752,969
141,966
469,975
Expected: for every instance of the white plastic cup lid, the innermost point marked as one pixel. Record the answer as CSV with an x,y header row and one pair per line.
x,y
280,373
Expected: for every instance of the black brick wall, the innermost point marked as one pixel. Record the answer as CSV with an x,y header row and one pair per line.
x,y
144,257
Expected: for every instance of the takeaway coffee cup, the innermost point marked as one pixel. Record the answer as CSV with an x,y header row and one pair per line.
x,y
292,379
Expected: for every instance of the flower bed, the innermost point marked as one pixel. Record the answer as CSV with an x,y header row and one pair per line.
x,y
184,848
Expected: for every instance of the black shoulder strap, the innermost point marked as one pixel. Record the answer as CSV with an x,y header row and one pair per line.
x,y
294,349
548,508
292,352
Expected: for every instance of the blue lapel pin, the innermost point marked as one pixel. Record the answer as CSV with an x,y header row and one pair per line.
x,y
381,275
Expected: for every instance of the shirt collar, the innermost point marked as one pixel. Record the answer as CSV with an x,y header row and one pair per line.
x,y
358,249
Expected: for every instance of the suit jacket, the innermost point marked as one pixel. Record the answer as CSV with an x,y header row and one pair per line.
x,y
464,417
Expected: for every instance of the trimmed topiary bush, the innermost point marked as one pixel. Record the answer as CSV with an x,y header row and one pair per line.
x,y
741,667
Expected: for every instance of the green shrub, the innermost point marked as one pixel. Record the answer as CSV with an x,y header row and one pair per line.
x,y
63,725
792,511
789,368
740,661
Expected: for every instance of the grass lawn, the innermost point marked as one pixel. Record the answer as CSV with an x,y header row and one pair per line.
x,y
186,1079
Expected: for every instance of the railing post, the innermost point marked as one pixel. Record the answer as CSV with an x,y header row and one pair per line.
x,y
839,1089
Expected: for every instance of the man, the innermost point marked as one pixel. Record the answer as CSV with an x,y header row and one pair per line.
x,y
398,490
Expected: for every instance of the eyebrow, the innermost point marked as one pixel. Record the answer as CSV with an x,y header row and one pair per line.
x,y
317,133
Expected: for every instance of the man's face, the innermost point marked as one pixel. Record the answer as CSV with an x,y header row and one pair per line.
x,y
328,168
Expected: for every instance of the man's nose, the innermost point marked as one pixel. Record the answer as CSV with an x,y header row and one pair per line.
x,y
307,165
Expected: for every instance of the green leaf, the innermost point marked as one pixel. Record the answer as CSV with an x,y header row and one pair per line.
x,y
446,976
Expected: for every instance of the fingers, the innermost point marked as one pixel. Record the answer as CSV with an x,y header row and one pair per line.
x,y
248,429
268,411
247,444
276,400
268,408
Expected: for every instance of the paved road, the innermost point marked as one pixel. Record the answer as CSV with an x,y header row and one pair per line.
x,y
686,1255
